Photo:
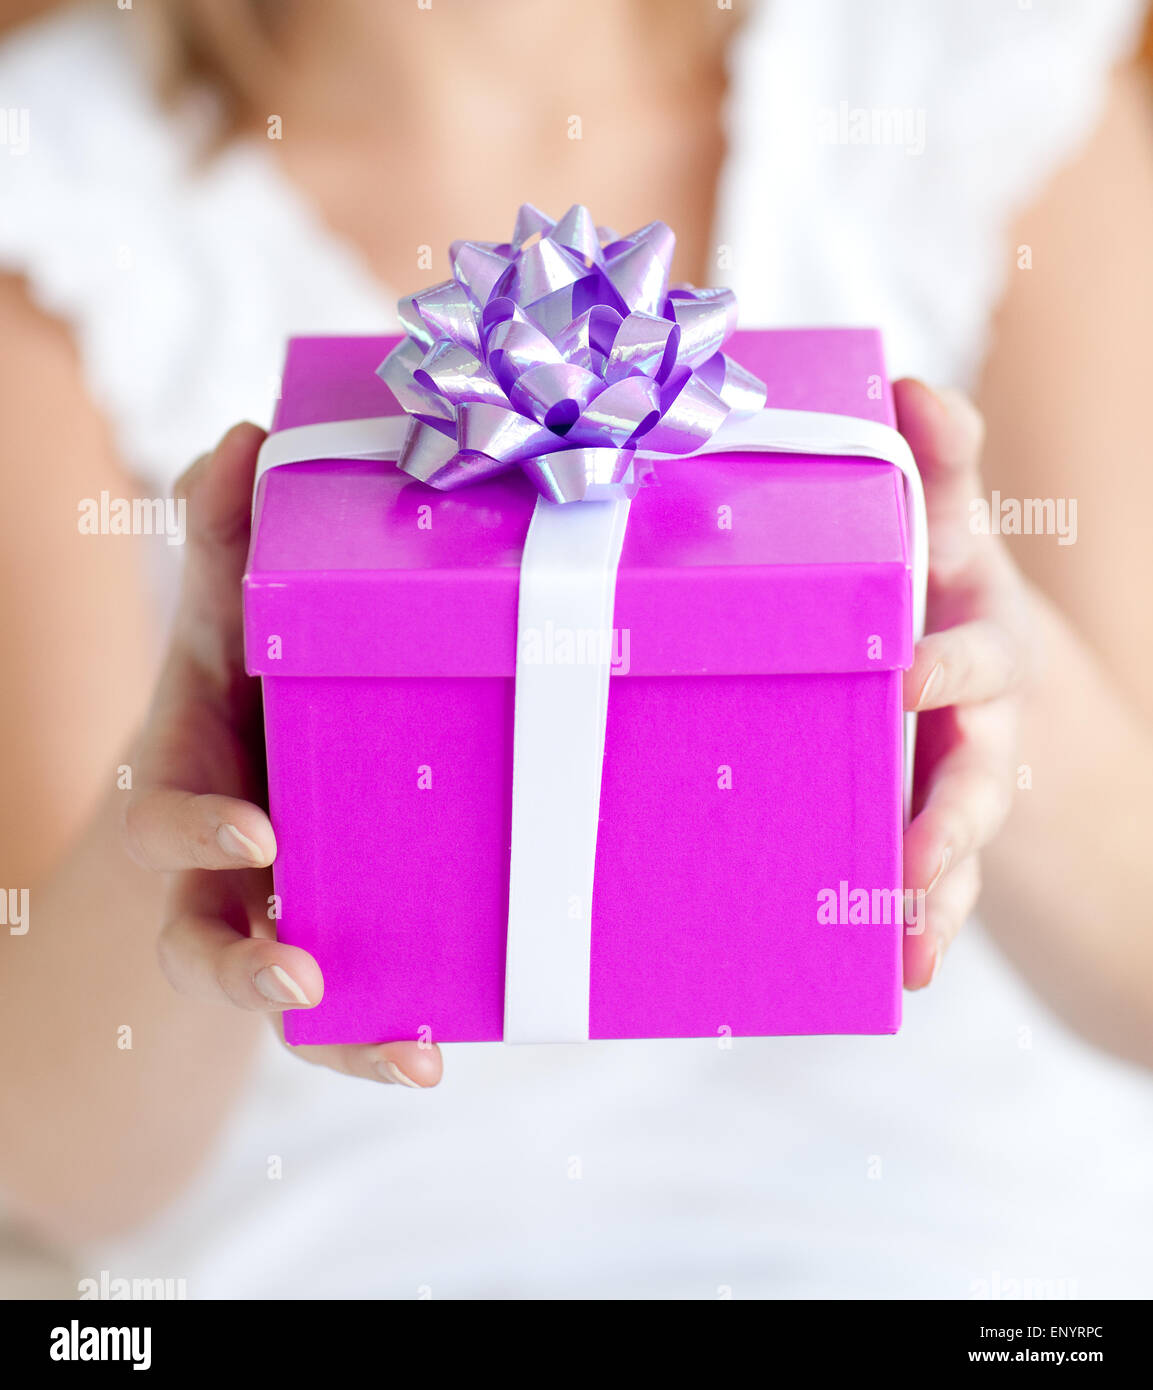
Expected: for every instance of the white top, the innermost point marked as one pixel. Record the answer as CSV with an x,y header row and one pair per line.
x,y
983,1151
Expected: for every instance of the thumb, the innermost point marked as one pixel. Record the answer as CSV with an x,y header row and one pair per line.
x,y
217,496
945,432
217,490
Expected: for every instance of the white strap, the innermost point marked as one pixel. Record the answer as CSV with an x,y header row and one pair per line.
x,y
374,437
769,431
567,589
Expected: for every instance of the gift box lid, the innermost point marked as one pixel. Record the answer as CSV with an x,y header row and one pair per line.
x,y
732,564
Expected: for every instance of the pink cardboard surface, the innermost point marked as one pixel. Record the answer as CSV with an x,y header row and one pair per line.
x,y
753,753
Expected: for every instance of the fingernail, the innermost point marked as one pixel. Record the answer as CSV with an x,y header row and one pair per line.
x,y
932,680
938,956
279,987
389,1071
946,855
239,846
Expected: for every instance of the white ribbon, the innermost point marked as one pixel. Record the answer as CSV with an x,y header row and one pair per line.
x,y
568,580
567,586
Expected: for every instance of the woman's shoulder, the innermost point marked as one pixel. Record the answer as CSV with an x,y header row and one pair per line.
x,y
84,187
178,275
996,93
77,83
94,160
874,143
904,44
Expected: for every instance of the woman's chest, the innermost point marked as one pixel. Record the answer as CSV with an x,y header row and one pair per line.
x,y
401,203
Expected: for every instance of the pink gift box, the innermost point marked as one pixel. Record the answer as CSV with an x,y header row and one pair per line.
x,y
751,796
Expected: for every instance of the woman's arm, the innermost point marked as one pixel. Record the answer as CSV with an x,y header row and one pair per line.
x,y
1068,401
92,1134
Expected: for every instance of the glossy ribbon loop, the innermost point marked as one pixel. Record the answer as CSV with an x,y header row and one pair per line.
x,y
559,350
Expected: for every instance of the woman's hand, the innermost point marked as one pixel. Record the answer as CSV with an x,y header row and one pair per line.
x,y
193,813
964,677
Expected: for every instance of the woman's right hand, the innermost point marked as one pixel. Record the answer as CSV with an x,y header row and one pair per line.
x,y
197,774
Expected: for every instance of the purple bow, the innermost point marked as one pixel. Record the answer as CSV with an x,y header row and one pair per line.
x,y
562,353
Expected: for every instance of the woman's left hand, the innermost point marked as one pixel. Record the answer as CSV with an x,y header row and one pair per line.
x,y
964,678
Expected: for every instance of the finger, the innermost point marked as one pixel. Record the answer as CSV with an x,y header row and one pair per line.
x,y
945,433
961,665
166,829
206,958
967,800
945,912
411,1064
217,491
